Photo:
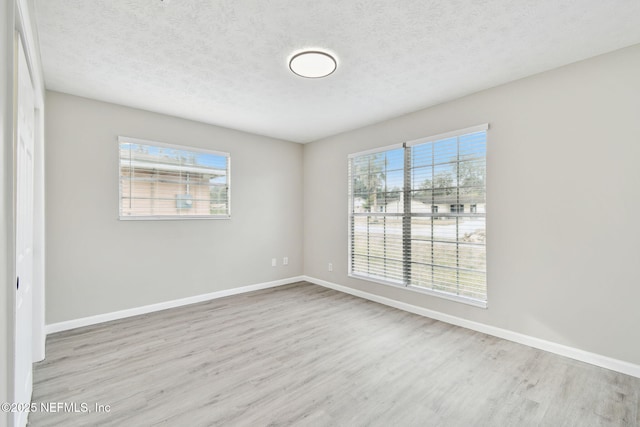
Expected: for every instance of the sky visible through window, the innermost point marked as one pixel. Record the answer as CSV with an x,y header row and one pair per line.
x,y
193,157
471,146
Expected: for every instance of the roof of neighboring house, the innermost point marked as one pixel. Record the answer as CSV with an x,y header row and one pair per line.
x,y
174,167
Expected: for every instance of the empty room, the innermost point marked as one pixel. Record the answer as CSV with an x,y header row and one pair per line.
x,y
320,213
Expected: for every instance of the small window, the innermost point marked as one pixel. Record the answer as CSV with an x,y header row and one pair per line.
x,y
473,208
161,181
434,209
457,208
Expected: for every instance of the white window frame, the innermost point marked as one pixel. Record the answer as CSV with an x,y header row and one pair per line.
x,y
126,139
394,283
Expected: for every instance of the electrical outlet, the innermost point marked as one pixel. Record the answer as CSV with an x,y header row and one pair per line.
x,y
274,262
285,260
330,267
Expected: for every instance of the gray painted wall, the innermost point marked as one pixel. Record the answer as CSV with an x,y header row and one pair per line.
x,y
6,207
562,197
563,203
98,264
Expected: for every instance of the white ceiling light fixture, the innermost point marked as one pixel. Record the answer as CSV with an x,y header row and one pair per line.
x,y
312,64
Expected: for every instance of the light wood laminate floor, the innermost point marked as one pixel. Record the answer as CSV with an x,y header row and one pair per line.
x,y
308,356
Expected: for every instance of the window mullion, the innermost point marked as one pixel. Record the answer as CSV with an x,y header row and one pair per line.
x,y
406,218
433,203
457,217
384,220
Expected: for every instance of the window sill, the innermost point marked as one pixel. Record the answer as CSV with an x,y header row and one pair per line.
x,y
413,288
170,218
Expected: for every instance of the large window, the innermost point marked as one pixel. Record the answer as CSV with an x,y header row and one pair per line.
x,y
417,214
161,181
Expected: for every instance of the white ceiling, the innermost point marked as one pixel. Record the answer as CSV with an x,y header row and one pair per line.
x,y
225,62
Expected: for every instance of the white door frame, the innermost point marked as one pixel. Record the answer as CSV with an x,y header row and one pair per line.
x,y
24,24
24,143
20,14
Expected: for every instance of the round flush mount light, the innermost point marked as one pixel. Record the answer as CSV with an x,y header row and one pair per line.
x,y
312,64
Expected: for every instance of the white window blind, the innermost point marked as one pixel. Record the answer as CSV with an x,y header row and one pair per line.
x,y
417,215
162,181
376,201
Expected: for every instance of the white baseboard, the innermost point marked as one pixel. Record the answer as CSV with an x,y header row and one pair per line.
x,y
106,317
552,347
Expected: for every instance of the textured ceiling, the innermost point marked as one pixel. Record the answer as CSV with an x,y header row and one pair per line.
x,y
224,62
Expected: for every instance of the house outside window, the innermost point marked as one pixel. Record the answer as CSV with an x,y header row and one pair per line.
x,y
162,181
